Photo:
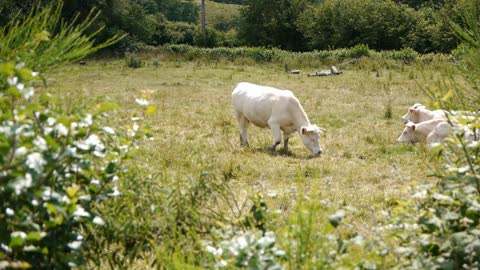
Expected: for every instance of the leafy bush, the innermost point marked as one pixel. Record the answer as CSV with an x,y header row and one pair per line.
x,y
359,51
406,54
133,61
341,24
439,228
55,168
445,217
251,250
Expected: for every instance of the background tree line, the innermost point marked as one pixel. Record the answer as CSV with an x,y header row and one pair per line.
x,y
297,25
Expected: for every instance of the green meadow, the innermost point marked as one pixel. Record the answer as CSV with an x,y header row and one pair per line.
x,y
191,175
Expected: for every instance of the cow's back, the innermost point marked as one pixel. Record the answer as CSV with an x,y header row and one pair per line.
x,y
256,102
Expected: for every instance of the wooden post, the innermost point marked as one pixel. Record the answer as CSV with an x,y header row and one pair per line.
x,y
203,23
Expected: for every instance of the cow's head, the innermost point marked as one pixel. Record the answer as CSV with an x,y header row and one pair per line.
x,y
408,133
311,138
412,114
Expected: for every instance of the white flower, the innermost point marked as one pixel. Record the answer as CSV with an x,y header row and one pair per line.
x,y
61,129
75,244
51,121
142,102
5,247
135,127
272,194
85,198
19,234
65,199
95,182
214,251
35,162
40,143
12,81
34,73
99,221
109,130
27,92
30,248
20,151
9,212
22,183
20,65
87,121
92,140
115,192
20,86
80,212
138,118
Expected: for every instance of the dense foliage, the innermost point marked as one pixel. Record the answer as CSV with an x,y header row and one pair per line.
x,y
440,229
298,25
55,165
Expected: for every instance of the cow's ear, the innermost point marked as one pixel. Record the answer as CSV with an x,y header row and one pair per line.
x,y
303,130
414,110
410,125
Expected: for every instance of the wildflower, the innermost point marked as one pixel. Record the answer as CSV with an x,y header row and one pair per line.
x,y
142,102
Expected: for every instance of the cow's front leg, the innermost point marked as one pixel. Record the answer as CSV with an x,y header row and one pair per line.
x,y
285,141
277,134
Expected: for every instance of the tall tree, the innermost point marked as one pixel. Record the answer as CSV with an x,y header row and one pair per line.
x,y
272,23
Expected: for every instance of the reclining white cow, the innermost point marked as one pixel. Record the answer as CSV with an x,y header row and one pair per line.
x,y
419,113
430,131
280,110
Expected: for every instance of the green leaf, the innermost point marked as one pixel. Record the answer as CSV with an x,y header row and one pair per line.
x,y
72,191
151,109
51,142
42,36
24,74
7,68
33,236
16,242
106,106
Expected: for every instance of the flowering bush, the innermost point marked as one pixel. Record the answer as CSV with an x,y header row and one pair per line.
x,y
54,168
251,250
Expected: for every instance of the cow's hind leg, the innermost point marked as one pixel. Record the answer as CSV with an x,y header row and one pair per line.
x,y
243,127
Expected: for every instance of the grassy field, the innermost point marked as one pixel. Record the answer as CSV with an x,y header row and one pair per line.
x,y
195,133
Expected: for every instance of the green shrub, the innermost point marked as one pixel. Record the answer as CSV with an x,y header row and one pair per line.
x,y
439,228
133,61
55,168
359,51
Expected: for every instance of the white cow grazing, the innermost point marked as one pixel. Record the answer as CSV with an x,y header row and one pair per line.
x,y
422,132
419,113
280,110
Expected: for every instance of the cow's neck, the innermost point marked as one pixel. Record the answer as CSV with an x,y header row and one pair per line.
x,y
301,118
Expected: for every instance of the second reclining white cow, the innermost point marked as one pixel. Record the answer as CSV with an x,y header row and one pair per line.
x,y
419,113
277,109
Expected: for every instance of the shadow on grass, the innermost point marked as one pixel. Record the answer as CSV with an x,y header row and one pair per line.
x,y
279,153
